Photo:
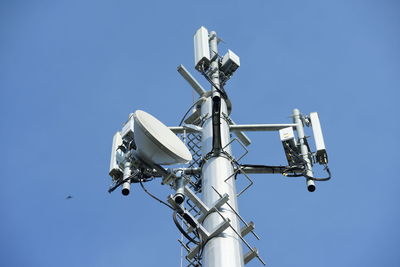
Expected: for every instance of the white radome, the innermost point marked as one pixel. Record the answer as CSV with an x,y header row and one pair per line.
x,y
156,143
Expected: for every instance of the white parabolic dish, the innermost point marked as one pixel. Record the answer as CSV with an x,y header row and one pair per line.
x,y
156,143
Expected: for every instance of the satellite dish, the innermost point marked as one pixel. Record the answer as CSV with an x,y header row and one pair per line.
x,y
156,143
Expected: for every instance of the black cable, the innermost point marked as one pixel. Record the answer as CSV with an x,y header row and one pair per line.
x,y
262,166
174,217
320,179
276,169
201,250
219,88
295,153
202,247
294,169
216,122
304,173
153,196
295,175
117,184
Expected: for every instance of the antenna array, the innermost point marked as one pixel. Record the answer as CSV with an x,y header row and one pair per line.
x,y
204,203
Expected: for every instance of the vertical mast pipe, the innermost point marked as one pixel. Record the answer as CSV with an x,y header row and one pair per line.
x,y
303,148
225,250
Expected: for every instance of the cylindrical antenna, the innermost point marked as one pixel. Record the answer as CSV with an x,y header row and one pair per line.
x,y
126,186
179,196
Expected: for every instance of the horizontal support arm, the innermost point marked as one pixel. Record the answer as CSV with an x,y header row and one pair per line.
x,y
191,80
182,129
260,127
242,136
262,169
248,169
239,128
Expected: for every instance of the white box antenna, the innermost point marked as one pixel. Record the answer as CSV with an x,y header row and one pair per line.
x,y
286,134
322,156
230,63
290,145
201,49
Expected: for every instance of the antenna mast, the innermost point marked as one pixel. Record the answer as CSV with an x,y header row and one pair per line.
x,y
225,249
205,198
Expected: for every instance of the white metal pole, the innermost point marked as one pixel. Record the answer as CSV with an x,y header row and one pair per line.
x,y
224,250
303,148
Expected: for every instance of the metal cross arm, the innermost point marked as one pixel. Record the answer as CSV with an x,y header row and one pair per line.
x,y
242,136
260,127
184,129
191,80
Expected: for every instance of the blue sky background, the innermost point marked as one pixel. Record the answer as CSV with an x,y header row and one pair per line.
x,y
71,72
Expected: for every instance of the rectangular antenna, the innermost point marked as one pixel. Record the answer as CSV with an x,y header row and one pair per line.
x,y
322,157
201,49
230,62
115,171
289,145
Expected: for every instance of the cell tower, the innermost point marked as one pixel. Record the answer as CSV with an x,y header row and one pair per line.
x,y
204,202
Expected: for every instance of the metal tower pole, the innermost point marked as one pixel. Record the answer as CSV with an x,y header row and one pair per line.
x,y
224,250
303,148
212,223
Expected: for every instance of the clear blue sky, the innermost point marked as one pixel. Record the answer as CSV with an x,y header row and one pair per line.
x,y
71,71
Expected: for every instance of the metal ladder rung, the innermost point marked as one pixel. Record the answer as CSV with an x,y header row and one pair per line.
x,y
247,229
250,255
